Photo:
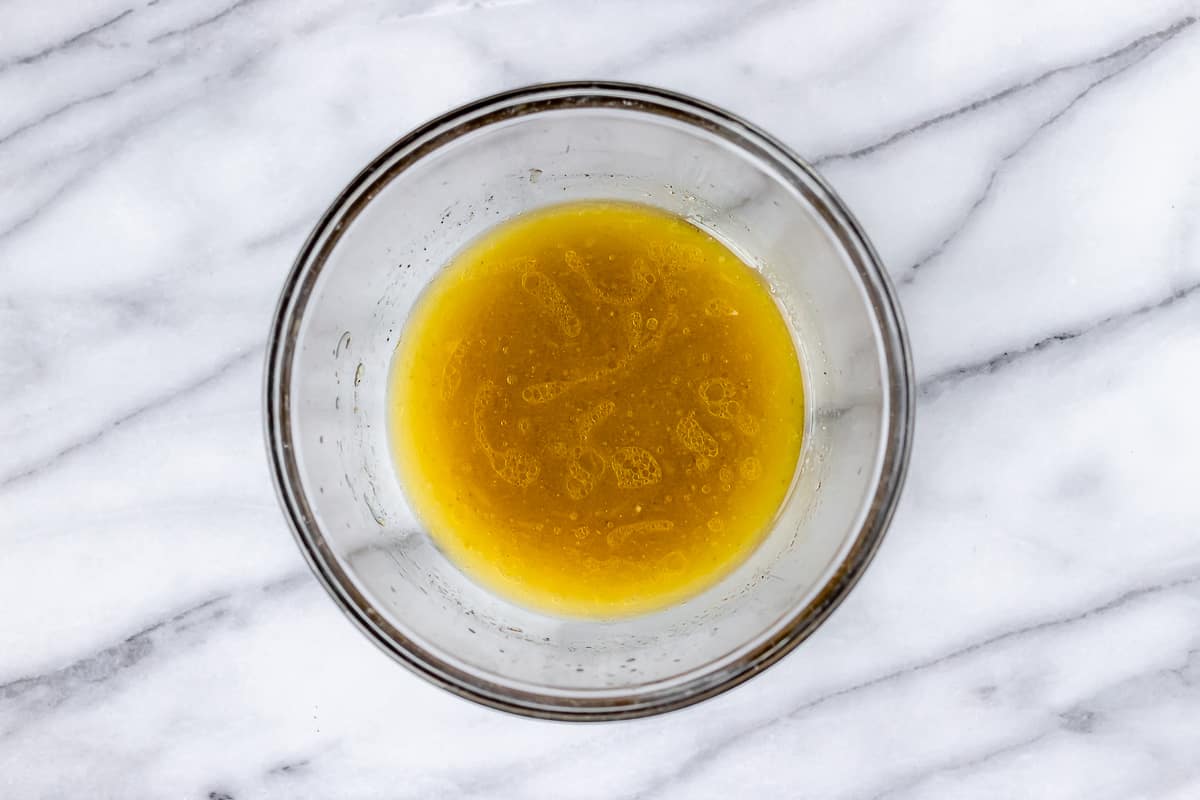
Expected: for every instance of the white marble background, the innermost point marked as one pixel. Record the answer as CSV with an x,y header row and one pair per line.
x,y
1029,171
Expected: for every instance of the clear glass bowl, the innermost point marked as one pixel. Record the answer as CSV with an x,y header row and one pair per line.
x,y
403,217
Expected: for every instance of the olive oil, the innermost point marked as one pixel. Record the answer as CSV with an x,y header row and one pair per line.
x,y
596,409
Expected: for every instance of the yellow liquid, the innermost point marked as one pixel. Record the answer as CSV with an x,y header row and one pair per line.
x,y
597,409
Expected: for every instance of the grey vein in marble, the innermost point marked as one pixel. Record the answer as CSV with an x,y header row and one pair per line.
x,y
173,395
935,384
201,23
1121,60
711,754
67,43
1156,39
33,696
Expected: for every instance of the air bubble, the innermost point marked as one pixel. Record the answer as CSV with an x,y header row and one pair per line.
x,y
452,372
512,465
672,259
642,336
538,393
750,468
695,438
719,308
717,396
577,487
516,467
484,398
747,424
617,536
717,390
553,302
587,421
674,561
586,467
642,281
635,467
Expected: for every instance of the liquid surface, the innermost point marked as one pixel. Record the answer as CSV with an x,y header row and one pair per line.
x,y
597,409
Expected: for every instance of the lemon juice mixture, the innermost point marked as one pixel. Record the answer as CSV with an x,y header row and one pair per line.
x,y
596,409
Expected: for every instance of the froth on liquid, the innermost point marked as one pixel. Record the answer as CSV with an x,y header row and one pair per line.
x,y
597,409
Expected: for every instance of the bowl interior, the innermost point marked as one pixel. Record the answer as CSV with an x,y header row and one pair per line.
x,y
403,218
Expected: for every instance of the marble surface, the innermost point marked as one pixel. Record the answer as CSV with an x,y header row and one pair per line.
x,y
1031,175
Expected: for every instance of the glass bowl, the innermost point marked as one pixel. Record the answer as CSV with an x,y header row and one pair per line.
x,y
403,217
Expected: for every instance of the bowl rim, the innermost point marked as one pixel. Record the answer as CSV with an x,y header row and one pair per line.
x,y
799,623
